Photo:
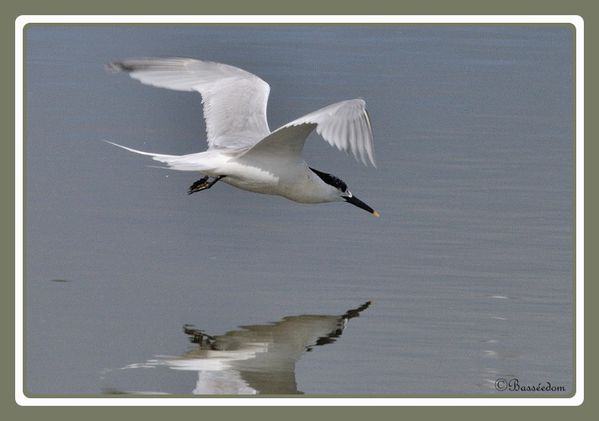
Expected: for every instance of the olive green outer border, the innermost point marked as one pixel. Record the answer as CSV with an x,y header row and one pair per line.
x,y
12,9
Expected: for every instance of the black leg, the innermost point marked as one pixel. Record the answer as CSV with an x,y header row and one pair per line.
x,y
198,185
198,336
203,184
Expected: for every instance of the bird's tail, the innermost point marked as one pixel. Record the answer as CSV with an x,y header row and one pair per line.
x,y
173,162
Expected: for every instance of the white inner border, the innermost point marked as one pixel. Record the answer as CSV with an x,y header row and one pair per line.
x,y
23,400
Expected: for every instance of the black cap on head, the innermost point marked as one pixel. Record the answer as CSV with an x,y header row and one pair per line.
x,y
331,180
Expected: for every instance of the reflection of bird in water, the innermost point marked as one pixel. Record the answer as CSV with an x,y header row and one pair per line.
x,y
258,358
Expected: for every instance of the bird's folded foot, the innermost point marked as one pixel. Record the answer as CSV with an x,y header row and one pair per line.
x,y
199,185
203,184
197,336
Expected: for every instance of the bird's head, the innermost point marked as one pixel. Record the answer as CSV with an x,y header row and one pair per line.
x,y
342,193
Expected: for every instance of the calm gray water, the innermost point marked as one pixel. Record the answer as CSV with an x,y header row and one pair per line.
x,y
469,268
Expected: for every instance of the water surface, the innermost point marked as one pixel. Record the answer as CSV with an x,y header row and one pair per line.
x,y
469,267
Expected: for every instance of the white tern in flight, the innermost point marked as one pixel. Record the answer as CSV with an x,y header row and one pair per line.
x,y
242,151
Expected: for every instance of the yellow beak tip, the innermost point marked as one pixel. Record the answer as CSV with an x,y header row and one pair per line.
x,y
375,213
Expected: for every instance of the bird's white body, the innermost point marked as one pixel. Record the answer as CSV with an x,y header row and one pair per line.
x,y
295,182
242,151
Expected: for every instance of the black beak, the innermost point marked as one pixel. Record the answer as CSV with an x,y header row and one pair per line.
x,y
357,202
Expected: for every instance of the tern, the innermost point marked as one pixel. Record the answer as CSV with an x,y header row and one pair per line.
x,y
242,151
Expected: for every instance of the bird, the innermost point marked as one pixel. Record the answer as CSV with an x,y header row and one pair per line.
x,y
242,150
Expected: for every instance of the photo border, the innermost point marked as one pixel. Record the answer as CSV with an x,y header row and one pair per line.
x,y
574,20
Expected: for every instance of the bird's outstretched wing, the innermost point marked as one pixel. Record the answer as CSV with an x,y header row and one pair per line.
x,y
345,125
234,100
